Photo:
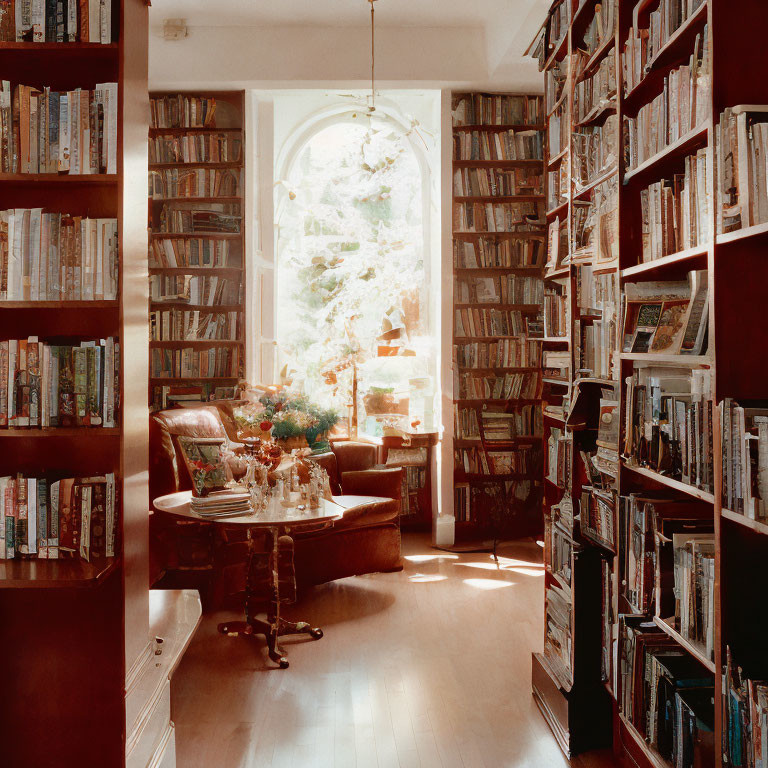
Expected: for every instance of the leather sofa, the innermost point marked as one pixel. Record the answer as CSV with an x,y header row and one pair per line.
x,y
183,553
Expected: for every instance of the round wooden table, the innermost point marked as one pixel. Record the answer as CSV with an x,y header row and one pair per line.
x,y
278,523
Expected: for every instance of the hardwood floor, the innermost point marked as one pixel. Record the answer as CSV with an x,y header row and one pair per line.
x,y
428,667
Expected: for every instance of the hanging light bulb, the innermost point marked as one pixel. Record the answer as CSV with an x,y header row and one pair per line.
x,y
372,102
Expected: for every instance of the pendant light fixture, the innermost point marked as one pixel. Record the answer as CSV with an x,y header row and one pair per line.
x,y
372,100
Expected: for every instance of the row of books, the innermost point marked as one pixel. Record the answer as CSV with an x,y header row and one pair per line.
x,y
597,294
489,252
45,131
559,454
695,589
488,322
214,218
196,148
522,422
557,26
466,425
504,353
667,695
191,363
742,146
595,225
48,385
558,131
197,252
58,21
199,291
675,211
595,152
592,94
178,325
64,518
602,26
643,44
681,107
554,82
744,431
194,182
496,109
558,182
495,217
510,386
555,313
669,423
477,461
492,182
667,317
57,257
498,145
509,289
169,395
180,111
745,717
558,638
414,479
596,353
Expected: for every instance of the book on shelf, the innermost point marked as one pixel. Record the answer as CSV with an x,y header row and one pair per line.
x,y
504,353
45,131
557,186
169,395
601,27
558,640
491,253
596,331
555,30
465,423
477,461
607,621
559,455
669,428
197,252
742,148
497,425
495,182
194,325
48,518
194,182
559,545
558,131
595,152
190,218
595,93
595,235
190,363
461,502
744,438
475,321
555,312
496,109
210,147
49,385
668,696
57,21
597,517
57,257
681,107
498,145
557,243
667,317
644,43
507,289
674,211
555,79
182,111
191,289
496,217
745,716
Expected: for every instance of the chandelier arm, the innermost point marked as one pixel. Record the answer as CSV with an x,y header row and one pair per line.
x,y
372,108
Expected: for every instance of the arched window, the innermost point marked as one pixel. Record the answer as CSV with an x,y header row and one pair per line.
x,y
352,270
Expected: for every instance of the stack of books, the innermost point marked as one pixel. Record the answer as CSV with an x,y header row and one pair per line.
x,y
195,252
48,385
505,353
191,363
194,182
495,217
196,148
199,291
510,386
222,504
496,182
498,145
180,111
472,321
496,109
56,519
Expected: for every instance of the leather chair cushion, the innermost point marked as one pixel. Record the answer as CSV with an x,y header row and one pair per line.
x,y
353,457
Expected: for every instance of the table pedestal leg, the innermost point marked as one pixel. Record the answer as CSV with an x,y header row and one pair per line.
x,y
274,626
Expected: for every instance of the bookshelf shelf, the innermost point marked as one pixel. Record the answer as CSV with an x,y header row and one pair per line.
x,y
672,483
555,340
490,401
536,233
683,361
195,270
194,235
754,525
176,344
497,369
63,48
598,113
194,307
587,190
557,210
524,308
468,271
557,159
196,129
211,199
653,758
667,261
201,379
757,230
598,56
497,198
60,305
499,127
60,433
97,179
558,273
696,652
197,164
695,138
494,163
55,574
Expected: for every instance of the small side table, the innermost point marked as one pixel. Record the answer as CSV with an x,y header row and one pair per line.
x,y
276,527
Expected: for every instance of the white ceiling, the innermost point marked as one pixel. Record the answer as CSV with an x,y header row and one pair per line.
x,y
347,13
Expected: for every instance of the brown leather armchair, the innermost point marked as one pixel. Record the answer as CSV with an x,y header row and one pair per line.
x,y
366,540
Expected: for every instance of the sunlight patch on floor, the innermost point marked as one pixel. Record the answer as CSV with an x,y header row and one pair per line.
x,y
422,577
430,558
487,583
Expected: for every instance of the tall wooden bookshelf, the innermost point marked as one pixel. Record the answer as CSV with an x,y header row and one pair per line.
x,y
486,502
731,364
174,146
73,631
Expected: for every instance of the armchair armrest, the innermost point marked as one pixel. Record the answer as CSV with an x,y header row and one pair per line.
x,y
373,482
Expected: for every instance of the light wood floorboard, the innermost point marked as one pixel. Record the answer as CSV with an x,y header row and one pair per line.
x,y
427,668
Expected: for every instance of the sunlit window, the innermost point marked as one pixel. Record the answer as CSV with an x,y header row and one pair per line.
x,y
352,277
